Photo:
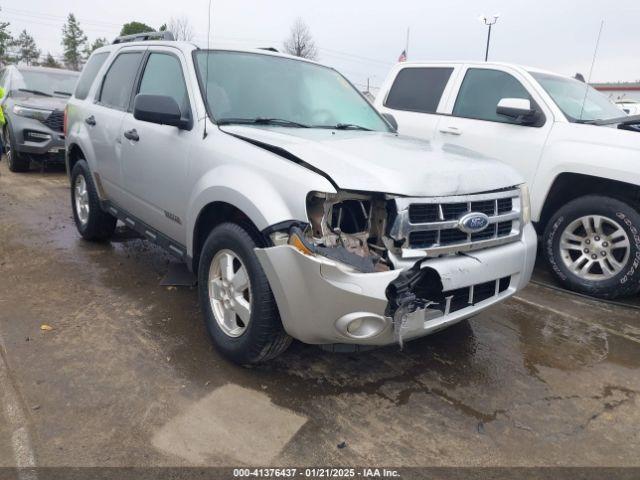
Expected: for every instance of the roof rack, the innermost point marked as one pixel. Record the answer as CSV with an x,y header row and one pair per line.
x,y
141,37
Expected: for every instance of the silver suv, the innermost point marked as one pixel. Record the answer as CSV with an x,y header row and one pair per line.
x,y
297,205
33,106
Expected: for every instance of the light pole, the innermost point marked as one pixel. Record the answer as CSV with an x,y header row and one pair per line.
x,y
489,22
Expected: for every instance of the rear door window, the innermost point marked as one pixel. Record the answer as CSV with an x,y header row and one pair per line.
x,y
118,82
89,73
481,91
418,89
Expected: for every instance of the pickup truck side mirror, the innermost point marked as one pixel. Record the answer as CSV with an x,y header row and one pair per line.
x,y
391,120
159,109
519,109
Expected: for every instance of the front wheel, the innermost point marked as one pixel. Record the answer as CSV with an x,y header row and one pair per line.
x,y
240,311
16,161
592,245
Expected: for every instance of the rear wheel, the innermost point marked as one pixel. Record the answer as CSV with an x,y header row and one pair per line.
x,y
240,311
593,246
92,222
16,161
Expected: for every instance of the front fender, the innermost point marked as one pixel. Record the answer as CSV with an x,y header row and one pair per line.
x,y
266,200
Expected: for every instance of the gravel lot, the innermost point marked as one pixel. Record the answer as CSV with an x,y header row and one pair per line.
x,y
126,375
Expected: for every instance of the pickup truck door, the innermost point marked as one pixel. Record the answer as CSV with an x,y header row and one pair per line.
x,y
416,95
472,121
104,120
155,158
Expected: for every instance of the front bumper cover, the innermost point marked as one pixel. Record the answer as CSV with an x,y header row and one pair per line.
x,y
317,297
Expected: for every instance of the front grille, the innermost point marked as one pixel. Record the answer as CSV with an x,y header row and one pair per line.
x,y
461,298
432,223
55,121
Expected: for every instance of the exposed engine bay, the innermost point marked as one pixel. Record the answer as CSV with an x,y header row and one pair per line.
x,y
349,228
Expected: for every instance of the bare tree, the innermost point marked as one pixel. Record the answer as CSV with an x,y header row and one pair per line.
x,y
300,42
181,29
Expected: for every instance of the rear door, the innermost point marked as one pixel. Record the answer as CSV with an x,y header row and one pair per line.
x,y
105,120
156,164
472,121
415,97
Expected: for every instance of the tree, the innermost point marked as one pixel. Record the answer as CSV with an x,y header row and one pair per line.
x,y
132,28
181,29
73,40
50,62
27,50
97,43
6,42
300,42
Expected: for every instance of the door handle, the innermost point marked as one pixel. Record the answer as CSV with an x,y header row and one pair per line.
x,y
132,135
90,121
451,131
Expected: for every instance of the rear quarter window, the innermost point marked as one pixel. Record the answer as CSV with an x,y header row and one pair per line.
x,y
89,73
418,89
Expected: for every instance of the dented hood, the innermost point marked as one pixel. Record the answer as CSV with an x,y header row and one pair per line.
x,y
385,162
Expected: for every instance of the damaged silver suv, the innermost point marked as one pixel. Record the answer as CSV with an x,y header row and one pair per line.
x,y
302,212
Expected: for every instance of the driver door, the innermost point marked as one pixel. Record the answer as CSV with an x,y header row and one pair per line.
x,y
155,158
474,124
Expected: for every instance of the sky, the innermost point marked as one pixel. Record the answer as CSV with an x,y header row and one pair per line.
x,y
363,39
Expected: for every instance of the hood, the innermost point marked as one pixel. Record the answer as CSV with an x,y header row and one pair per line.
x,y
386,162
39,101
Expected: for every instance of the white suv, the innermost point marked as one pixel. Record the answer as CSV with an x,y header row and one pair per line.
x,y
303,214
580,159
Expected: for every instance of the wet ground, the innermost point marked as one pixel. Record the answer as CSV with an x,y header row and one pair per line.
x,y
126,375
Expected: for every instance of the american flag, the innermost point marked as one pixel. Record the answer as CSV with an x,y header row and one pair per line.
x,y
403,56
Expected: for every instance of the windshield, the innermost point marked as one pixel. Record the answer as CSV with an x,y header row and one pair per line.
x,y
61,83
253,88
569,95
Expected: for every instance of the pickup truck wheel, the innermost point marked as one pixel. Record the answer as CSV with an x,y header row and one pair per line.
x,y
593,247
240,311
92,222
15,160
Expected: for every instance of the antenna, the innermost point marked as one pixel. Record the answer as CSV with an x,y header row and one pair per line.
x,y
593,62
206,76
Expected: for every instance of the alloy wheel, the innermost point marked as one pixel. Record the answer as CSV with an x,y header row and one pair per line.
x,y
230,293
594,247
81,198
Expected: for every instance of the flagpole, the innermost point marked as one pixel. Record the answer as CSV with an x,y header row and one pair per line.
x,y
407,48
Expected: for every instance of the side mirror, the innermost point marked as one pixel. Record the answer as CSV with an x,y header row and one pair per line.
x,y
517,108
159,109
391,120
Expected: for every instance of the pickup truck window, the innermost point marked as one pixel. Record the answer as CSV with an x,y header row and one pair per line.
x,y
249,86
118,82
481,91
577,100
163,76
418,89
89,73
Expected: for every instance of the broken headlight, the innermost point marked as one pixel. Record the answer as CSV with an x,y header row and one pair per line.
x,y
345,227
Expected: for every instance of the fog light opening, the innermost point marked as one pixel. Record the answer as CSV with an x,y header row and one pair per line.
x,y
361,325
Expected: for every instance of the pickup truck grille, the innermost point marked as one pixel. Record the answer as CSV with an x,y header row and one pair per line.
x,y
432,224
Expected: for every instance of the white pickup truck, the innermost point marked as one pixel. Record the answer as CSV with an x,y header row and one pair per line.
x,y
579,153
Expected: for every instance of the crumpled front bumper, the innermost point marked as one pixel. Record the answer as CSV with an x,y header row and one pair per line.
x,y
317,298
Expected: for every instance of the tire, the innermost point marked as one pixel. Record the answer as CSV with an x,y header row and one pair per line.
x,y
94,224
16,161
262,337
614,270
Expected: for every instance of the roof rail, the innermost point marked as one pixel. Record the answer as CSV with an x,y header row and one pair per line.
x,y
141,37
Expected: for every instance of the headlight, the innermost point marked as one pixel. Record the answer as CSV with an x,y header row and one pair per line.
x,y
525,203
30,112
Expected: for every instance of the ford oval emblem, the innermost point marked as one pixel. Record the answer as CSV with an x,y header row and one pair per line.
x,y
473,222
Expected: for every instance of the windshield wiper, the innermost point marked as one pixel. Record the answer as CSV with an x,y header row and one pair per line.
x,y
344,126
36,92
63,93
626,120
261,121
